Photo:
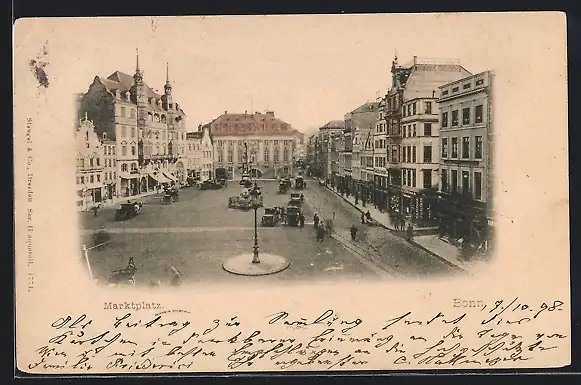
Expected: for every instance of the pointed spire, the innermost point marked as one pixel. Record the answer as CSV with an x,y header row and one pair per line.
x,y
86,117
167,72
137,55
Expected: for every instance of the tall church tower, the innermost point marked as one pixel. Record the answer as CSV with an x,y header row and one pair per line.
x,y
140,96
167,100
142,102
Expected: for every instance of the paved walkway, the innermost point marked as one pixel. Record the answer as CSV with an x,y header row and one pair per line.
x,y
451,253
430,243
381,217
119,200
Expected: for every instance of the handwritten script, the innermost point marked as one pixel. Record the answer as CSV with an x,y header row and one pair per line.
x,y
496,335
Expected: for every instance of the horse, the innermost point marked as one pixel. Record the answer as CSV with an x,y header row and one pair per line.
x,y
126,275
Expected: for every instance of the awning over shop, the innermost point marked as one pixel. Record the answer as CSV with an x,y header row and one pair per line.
x,y
170,176
159,177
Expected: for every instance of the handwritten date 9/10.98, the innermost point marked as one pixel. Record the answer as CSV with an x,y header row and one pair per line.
x,y
484,337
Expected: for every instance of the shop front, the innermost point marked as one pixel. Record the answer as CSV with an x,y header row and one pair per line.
x,y
463,222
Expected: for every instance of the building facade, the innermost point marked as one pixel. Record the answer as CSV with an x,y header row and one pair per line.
x,y
465,208
148,130
109,169
89,166
412,136
260,140
360,123
200,154
327,154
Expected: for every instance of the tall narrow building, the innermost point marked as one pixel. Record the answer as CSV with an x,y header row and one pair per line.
x,y
412,135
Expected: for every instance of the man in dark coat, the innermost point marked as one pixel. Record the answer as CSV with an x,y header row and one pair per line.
x,y
353,232
316,220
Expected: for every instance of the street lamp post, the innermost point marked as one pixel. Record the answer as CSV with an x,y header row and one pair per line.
x,y
255,194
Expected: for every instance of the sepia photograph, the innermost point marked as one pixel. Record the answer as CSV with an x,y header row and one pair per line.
x,y
285,173
397,184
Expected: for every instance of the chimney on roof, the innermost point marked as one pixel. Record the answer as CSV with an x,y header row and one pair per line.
x,y
245,112
270,113
433,93
225,112
415,60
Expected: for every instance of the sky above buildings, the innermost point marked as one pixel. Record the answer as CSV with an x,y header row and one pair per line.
x,y
308,69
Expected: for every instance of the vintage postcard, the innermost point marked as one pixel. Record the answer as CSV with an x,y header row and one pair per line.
x,y
291,193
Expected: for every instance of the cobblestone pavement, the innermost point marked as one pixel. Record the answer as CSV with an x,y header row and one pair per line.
x,y
386,249
197,233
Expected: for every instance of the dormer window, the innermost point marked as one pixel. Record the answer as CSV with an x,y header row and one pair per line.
x,y
104,136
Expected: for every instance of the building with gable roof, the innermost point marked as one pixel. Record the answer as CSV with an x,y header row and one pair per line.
x,y
412,137
260,140
148,130
89,167
200,153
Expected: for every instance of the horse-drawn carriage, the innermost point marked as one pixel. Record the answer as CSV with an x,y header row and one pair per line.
x,y
296,199
270,217
128,211
282,187
170,196
300,183
239,202
126,275
292,216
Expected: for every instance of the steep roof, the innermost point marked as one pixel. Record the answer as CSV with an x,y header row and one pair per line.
x,y
366,107
426,78
123,82
334,124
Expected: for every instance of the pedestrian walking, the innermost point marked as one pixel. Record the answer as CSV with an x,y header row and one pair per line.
x,y
320,233
316,220
353,233
301,220
362,218
95,209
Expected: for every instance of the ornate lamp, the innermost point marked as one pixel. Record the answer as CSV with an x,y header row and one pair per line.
x,y
255,196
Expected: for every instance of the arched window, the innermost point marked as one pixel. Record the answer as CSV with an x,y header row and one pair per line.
x,y
133,149
157,149
163,120
86,135
150,116
156,117
156,134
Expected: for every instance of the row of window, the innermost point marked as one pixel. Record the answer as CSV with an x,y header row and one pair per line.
x,y
109,149
466,117
380,161
276,156
412,108
150,134
409,130
240,143
468,184
94,178
466,153
465,86
93,162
